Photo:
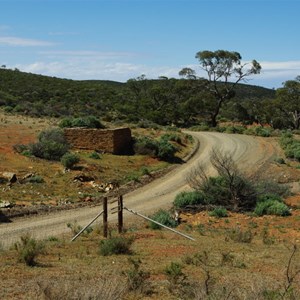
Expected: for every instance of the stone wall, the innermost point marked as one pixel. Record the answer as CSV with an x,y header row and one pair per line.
x,y
116,141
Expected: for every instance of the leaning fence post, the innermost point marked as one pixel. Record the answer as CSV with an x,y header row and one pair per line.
x,y
105,225
120,214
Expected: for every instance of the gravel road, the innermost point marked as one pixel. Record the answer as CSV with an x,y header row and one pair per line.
x,y
250,153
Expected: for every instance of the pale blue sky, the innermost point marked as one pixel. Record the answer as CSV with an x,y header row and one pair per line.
x,y
119,40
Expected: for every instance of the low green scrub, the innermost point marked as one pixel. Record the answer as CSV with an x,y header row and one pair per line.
x,y
69,160
51,145
239,235
219,212
28,249
259,131
185,199
215,191
86,122
115,245
95,155
164,217
271,206
161,148
290,145
234,129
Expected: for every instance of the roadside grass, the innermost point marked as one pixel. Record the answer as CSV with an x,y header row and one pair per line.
x,y
208,266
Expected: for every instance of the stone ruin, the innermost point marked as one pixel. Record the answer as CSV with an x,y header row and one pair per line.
x,y
115,141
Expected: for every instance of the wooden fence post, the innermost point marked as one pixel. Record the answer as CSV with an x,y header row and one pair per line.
x,y
120,214
105,224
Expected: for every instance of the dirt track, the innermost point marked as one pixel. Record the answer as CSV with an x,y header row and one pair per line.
x,y
250,153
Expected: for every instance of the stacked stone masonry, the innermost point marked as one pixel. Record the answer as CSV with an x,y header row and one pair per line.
x,y
116,141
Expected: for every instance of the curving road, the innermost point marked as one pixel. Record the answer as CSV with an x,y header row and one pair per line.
x,y
250,153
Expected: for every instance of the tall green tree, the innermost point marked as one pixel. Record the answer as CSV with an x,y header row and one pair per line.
x,y
288,101
224,70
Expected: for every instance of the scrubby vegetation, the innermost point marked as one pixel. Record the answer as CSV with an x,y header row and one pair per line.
x,y
115,245
160,148
86,122
51,145
231,190
163,217
28,250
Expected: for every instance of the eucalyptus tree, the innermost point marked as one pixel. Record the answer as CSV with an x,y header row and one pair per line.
x,y
224,70
288,101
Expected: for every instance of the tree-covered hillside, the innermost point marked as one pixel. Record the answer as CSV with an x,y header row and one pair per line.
x,y
163,101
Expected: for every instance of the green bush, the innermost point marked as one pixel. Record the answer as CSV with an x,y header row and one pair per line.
x,y
166,150
28,249
95,155
68,160
219,212
290,145
164,217
51,145
216,191
268,197
65,123
271,207
87,122
145,146
184,199
115,245
161,149
235,129
259,131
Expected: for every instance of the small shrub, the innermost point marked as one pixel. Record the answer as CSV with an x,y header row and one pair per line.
x,y
163,217
115,245
219,212
240,236
87,122
174,272
145,146
28,249
271,206
65,123
145,171
95,155
184,199
133,177
68,160
166,150
136,276
216,190
52,145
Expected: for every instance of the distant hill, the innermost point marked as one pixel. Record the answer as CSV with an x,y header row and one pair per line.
x,y
39,95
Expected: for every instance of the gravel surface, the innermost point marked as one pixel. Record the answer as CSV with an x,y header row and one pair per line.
x,y
250,153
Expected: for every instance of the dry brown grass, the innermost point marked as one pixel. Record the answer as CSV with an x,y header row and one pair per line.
x,y
214,267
